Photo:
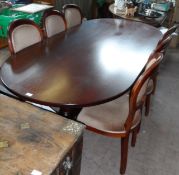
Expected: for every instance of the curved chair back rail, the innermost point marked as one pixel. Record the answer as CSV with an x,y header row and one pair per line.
x,y
169,32
73,15
23,33
163,45
138,92
53,23
121,116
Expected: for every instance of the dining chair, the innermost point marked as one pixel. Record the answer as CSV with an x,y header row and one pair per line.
x,y
73,15
161,47
23,33
53,23
122,116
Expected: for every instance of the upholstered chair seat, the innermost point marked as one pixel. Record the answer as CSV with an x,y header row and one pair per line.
x,y
100,116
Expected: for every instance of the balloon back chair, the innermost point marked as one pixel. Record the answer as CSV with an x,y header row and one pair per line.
x,y
23,33
73,15
120,117
53,23
161,47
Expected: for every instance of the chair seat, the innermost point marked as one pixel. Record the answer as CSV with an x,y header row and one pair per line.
x,y
150,86
109,117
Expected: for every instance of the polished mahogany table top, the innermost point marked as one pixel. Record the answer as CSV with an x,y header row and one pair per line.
x,y
90,64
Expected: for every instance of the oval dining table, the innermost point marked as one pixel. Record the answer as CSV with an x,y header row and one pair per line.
x,y
87,65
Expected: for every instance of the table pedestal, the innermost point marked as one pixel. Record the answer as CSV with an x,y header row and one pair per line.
x,y
70,113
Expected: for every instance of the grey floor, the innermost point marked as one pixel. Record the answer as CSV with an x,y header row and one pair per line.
x,y
157,148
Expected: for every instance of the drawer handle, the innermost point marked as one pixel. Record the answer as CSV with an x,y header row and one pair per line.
x,y
67,165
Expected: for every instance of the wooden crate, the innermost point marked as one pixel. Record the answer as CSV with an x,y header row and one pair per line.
x,y
32,139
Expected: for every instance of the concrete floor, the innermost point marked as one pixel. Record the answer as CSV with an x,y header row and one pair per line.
x,y
157,148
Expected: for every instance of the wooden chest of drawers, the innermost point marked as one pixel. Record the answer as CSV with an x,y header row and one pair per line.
x,y
36,142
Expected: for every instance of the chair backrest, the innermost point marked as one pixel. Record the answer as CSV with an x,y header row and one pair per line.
x,y
23,33
163,45
73,15
53,23
169,32
138,92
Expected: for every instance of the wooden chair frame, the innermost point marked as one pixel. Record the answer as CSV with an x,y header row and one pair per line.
x,y
17,23
162,46
49,13
134,106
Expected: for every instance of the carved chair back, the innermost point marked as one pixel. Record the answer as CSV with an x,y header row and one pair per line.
x,y
163,45
73,15
138,92
53,23
23,33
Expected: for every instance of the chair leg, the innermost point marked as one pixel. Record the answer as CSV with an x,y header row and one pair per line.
x,y
134,137
124,154
134,134
138,128
147,105
154,84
